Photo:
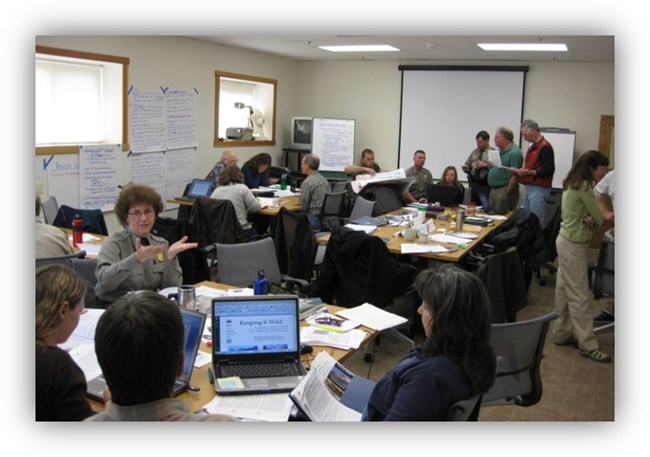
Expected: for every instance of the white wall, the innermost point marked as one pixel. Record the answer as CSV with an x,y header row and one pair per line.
x,y
568,95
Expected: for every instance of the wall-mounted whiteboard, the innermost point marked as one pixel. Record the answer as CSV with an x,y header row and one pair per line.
x,y
563,142
333,142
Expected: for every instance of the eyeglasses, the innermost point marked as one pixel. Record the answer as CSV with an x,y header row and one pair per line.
x,y
329,321
138,214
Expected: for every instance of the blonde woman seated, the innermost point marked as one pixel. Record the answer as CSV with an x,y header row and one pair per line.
x,y
232,187
450,178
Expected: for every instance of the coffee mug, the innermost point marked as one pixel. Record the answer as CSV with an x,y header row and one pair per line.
x,y
423,237
410,234
186,297
204,304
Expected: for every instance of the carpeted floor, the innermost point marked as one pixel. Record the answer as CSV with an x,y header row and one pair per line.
x,y
575,388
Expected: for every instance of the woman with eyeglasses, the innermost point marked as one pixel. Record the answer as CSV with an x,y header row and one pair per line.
x,y
60,383
135,259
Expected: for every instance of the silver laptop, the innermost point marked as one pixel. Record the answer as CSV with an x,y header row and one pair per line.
x,y
193,322
256,344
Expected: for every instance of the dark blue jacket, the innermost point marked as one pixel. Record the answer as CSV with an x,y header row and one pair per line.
x,y
253,179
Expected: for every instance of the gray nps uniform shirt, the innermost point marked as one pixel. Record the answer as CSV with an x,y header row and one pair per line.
x,y
119,272
421,179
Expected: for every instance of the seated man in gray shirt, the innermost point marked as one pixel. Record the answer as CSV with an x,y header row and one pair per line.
x,y
312,190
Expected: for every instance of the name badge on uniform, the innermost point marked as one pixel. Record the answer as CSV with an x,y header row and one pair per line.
x,y
161,257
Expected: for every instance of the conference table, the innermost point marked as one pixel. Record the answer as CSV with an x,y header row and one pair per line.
x,y
394,241
200,380
292,203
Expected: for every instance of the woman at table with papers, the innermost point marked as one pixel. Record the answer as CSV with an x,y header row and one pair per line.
x,y
455,362
60,383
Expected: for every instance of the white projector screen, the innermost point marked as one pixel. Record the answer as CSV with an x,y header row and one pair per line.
x,y
444,108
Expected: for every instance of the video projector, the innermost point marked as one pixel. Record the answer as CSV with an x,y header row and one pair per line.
x,y
239,133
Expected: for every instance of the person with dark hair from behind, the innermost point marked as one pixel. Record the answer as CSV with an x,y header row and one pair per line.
x,y
312,190
139,346
477,167
580,214
232,187
135,259
60,383
49,241
256,171
456,361
450,178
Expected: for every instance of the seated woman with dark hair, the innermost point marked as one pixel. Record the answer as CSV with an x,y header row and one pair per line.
x,y
256,171
450,178
232,187
456,362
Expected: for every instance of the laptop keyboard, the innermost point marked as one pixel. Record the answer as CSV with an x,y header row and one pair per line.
x,y
261,370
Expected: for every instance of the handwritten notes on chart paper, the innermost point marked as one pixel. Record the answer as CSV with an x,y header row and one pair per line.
x,y
333,142
100,173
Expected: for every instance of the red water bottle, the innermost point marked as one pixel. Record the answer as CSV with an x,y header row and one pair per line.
x,y
77,230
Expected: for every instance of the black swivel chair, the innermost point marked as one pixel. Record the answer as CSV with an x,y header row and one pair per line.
x,y
601,276
93,219
333,210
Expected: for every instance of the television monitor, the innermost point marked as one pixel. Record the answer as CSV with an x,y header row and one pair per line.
x,y
301,127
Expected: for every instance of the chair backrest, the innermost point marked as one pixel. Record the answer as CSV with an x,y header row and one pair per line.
x,y
362,208
85,268
338,186
332,210
93,219
239,263
50,208
604,278
214,221
63,259
295,244
358,268
519,347
465,410
386,196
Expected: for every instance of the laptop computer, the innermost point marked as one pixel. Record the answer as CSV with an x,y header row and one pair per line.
x,y
197,188
445,195
256,344
193,322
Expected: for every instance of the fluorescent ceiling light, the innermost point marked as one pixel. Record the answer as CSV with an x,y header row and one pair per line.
x,y
360,48
523,47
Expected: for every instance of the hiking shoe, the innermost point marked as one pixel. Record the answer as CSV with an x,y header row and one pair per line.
x,y
597,355
604,317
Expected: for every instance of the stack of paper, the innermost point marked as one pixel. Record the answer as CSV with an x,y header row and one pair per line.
x,y
415,248
362,228
321,337
373,317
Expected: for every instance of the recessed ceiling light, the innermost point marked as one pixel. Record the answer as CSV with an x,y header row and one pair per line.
x,y
558,47
360,48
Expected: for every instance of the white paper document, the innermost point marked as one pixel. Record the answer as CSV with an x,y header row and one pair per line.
x,y
373,317
92,250
362,228
416,248
265,408
321,337
448,239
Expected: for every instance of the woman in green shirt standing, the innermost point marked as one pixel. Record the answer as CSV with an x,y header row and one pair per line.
x,y
580,214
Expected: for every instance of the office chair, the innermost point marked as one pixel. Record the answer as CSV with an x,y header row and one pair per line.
x,y
332,210
63,259
551,231
239,264
519,347
361,208
50,208
387,197
465,410
194,262
93,219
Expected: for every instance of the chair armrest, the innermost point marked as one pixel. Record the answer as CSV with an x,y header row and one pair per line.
x,y
302,284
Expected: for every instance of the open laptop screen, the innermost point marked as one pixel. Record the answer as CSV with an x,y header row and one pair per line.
x,y
255,326
193,323
200,188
